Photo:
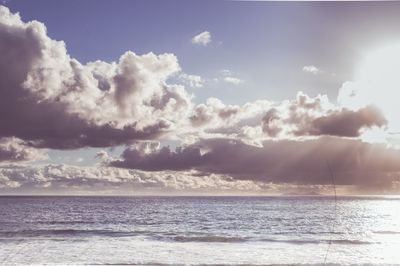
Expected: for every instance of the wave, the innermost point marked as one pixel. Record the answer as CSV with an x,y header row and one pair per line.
x,y
387,232
320,241
165,236
221,264
63,222
215,238
236,239
230,264
69,233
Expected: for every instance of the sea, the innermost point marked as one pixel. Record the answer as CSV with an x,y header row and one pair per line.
x,y
281,230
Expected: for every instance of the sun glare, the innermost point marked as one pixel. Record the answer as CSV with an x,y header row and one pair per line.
x,y
378,82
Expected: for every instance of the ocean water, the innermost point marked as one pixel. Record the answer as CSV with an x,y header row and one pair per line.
x,y
199,230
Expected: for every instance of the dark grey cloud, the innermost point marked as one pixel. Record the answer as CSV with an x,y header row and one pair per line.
x,y
346,123
286,161
138,157
307,116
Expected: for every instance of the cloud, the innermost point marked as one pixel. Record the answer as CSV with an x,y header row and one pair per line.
x,y
307,116
60,178
193,81
346,123
302,117
214,113
14,150
203,38
216,119
233,80
354,163
312,69
145,157
228,77
52,100
221,166
103,156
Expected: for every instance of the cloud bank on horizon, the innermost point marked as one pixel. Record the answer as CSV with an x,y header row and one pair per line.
x,y
50,100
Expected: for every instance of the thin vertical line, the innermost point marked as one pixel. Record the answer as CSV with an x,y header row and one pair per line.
x,y
335,213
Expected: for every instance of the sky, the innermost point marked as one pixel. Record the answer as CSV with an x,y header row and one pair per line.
x,y
199,97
